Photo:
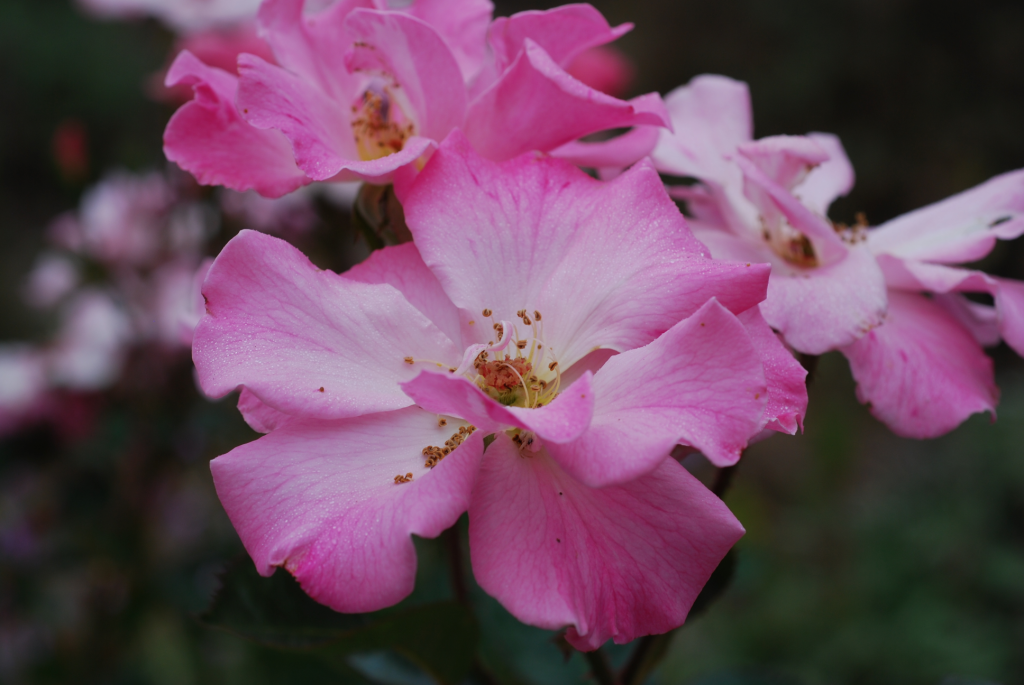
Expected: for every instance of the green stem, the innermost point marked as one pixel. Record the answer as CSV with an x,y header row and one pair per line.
x,y
599,667
454,545
649,650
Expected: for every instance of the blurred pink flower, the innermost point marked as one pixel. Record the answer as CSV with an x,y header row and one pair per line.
x,y
291,213
23,386
604,68
184,16
923,371
383,95
217,47
569,318
52,278
91,345
119,221
766,201
917,360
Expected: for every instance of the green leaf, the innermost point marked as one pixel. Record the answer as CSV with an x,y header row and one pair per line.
x,y
440,638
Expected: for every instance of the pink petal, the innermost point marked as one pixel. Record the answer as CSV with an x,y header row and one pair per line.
x,y
921,372
307,341
412,54
981,321
561,421
785,160
607,264
711,117
401,267
617,562
208,137
312,47
831,179
938,278
1010,306
787,391
261,418
563,32
319,499
317,126
221,46
535,105
770,167
463,25
826,307
961,228
701,383
619,152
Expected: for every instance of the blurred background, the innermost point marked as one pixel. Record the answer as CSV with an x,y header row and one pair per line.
x,y
868,558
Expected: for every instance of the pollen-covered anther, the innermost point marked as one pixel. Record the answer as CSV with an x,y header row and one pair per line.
x,y
536,315
504,374
524,441
409,360
487,313
403,479
435,454
442,422
552,366
521,344
499,329
379,126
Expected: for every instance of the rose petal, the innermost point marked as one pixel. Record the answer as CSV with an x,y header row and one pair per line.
x,y
700,383
536,105
616,562
961,228
824,308
607,265
307,341
208,137
319,499
921,372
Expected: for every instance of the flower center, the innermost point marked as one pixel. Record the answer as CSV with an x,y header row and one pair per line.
x,y
789,243
379,125
526,373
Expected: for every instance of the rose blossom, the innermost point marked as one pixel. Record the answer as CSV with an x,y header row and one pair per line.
x,y
569,319
923,370
918,361
359,91
766,201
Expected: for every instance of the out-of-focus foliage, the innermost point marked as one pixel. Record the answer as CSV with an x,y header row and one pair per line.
x,y
869,559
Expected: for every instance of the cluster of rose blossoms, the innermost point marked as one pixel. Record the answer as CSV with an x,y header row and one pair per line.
x,y
537,351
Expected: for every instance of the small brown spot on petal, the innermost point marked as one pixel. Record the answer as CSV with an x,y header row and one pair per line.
x,y
321,389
